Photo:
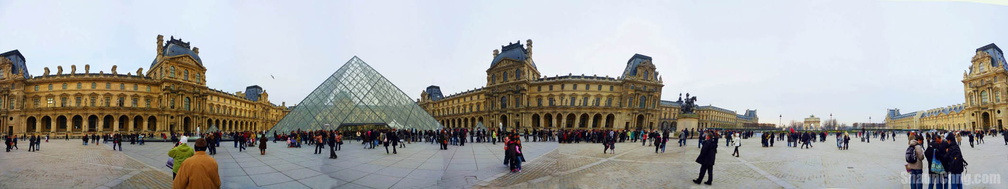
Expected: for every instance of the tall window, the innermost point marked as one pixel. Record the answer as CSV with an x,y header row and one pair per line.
x,y
147,102
503,102
187,105
599,87
108,85
198,78
643,101
36,87
121,101
608,102
133,102
77,101
122,86
172,103
575,86
94,85
629,102
172,71
50,87
93,101
984,97
50,102
518,74
36,103
573,101
63,101
148,88
78,85
598,100
539,101
135,87
64,86
610,87
550,88
539,88
505,77
584,101
552,102
493,78
517,102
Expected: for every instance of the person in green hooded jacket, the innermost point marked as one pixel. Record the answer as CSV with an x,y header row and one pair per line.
x,y
180,153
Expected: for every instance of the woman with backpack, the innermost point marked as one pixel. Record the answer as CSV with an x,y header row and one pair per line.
x,y
915,164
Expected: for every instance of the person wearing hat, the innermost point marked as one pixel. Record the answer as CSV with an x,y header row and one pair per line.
x,y
180,153
198,171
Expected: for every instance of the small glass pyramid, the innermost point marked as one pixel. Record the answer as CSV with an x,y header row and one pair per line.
x,y
355,95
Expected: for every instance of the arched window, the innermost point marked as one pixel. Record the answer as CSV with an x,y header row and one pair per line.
x,y
517,74
186,102
172,73
505,77
503,100
185,75
643,101
984,97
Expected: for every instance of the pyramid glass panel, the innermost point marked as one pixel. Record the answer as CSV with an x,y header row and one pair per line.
x,y
356,94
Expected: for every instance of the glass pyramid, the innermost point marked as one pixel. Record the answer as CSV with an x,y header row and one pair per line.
x,y
356,94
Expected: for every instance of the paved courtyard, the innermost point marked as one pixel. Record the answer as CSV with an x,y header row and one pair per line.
x,y
68,164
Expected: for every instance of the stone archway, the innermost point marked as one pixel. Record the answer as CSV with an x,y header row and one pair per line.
x,y
985,121
609,121
151,123
596,121
47,123
535,121
31,123
503,122
92,123
640,121
78,123
107,123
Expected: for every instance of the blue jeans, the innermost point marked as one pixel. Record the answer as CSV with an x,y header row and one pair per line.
x,y
939,181
956,181
915,179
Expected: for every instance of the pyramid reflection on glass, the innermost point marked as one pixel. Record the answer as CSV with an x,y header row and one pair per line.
x,y
354,95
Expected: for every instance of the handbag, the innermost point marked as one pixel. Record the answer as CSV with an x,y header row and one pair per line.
x,y
936,166
171,163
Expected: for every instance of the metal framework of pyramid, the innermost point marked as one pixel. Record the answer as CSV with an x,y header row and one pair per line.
x,y
356,94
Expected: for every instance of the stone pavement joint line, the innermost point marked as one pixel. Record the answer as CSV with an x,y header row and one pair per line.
x,y
780,182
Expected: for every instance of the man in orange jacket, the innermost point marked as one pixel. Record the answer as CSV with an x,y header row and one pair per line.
x,y
198,171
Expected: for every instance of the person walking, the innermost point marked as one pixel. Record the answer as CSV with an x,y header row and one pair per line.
x,y
706,160
319,145
211,149
180,153
332,145
31,143
262,144
117,140
738,142
394,139
199,170
915,165
682,138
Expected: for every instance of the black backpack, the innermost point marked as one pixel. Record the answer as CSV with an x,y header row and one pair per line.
x,y
911,154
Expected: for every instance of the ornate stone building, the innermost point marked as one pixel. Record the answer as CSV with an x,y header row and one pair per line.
x,y
171,96
984,83
516,95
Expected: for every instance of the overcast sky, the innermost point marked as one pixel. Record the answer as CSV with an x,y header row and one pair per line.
x,y
791,58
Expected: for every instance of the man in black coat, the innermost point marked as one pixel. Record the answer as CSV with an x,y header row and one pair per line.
x,y
706,160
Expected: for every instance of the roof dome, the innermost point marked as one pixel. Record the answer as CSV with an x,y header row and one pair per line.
x,y
176,47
